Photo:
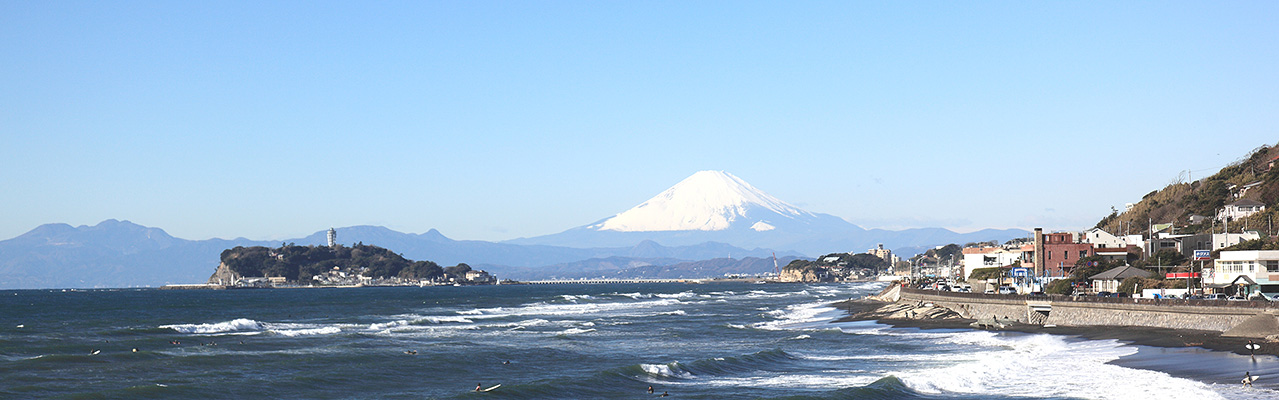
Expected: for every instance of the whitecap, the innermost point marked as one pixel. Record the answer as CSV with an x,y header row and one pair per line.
x,y
665,370
1057,367
328,330
241,324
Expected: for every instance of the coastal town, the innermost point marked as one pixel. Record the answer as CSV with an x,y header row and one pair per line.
x,y
1212,238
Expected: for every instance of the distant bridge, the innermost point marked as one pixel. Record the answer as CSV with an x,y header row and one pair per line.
x,y
600,281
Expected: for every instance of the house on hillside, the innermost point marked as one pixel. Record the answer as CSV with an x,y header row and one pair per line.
x,y
1109,281
1239,191
1100,238
1240,209
1196,219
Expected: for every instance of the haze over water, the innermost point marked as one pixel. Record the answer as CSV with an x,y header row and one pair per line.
x,y
709,341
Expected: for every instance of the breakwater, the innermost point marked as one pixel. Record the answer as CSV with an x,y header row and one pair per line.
x,y
1234,318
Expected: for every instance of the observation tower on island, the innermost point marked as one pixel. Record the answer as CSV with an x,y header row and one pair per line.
x,y
333,237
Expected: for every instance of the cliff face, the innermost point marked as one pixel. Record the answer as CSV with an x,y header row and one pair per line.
x,y
798,275
223,276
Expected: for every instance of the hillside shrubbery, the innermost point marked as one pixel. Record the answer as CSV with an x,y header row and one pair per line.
x,y
300,263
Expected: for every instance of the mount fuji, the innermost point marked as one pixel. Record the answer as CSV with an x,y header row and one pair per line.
x,y
715,206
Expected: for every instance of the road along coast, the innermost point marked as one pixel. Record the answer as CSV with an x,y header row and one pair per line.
x,y
1219,326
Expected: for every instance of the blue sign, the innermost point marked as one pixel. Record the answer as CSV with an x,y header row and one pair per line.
x,y
1201,255
1020,272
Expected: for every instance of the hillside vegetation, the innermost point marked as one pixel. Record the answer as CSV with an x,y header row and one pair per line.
x,y
1179,200
300,263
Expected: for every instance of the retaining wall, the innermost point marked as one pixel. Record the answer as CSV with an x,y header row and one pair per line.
x,y
1082,311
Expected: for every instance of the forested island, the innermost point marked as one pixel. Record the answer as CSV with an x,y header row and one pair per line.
x,y
833,267
360,264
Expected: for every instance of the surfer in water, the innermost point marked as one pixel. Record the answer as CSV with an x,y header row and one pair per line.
x,y
650,389
1247,379
477,387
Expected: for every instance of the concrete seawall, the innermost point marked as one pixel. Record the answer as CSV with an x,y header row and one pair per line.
x,y
1243,319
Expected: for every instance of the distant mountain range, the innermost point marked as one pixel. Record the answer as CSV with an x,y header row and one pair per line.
x,y
719,207
123,254
708,225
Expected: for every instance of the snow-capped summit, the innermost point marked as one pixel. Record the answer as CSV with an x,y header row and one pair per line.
x,y
715,206
705,201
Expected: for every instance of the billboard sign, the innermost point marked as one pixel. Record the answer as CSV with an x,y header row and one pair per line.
x,y
1203,255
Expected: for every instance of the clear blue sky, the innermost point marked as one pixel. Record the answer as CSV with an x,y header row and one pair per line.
x,y
497,120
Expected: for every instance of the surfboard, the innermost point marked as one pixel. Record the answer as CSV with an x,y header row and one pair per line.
x,y
1252,346
492,387
1250,379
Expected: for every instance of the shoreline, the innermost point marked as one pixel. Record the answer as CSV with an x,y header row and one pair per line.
x,y
1198,355
873,310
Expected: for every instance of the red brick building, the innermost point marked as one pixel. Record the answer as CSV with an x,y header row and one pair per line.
x,y
1061,252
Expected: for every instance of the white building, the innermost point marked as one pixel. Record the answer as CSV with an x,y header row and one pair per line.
x,y
1252,268
1100,238
987,257
333,237
1224,240
1240,209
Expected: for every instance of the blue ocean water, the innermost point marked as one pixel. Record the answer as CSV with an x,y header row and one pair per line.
x,y
693,341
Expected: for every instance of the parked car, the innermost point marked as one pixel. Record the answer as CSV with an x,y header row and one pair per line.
x,y
989,290
1105,294
1007,290
1215,296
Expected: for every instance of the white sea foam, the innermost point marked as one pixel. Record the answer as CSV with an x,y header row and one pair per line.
x,y
575,298
328,330
1049,366
576,331
665,370
546,309
446,319
832,379
680,295
241,324
388,325
798,316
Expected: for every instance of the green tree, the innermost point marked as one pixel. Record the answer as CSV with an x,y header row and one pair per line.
x,y
986,273
422,270
1130,284
1167,257
1060,286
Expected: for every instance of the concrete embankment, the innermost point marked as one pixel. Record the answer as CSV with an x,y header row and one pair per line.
x,y
1234,319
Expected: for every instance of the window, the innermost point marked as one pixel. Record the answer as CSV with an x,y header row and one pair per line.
x,y
1083,253
1065,254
